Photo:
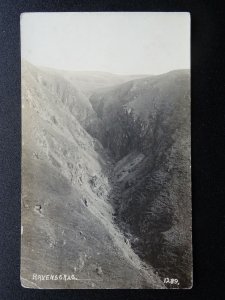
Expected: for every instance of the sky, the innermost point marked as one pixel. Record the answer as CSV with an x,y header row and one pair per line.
x,y
120,43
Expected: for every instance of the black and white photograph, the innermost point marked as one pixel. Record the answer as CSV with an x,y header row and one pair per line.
x,y
106,150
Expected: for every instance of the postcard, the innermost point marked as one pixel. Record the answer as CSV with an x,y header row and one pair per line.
x,y
106,150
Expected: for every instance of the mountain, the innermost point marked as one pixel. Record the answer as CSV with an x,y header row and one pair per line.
x,y
68,219
146,128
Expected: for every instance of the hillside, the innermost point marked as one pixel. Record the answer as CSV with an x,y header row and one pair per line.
x,y
147,130
67,220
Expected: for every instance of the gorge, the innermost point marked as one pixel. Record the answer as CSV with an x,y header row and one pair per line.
x,y
106,179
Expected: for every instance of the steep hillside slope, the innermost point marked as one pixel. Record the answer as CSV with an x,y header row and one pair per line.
x,y
60,92
67,220
147,130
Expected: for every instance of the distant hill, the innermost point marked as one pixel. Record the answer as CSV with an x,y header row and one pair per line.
x,y
91,81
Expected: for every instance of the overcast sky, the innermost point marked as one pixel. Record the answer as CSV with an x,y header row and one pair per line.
x,y
121,43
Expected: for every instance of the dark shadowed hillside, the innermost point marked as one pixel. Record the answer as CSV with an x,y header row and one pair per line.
x,y
147,130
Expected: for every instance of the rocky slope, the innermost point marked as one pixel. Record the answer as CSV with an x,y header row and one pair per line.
x,y
145,124
68,221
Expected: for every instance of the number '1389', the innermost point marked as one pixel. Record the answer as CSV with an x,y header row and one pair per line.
x,y
171,280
